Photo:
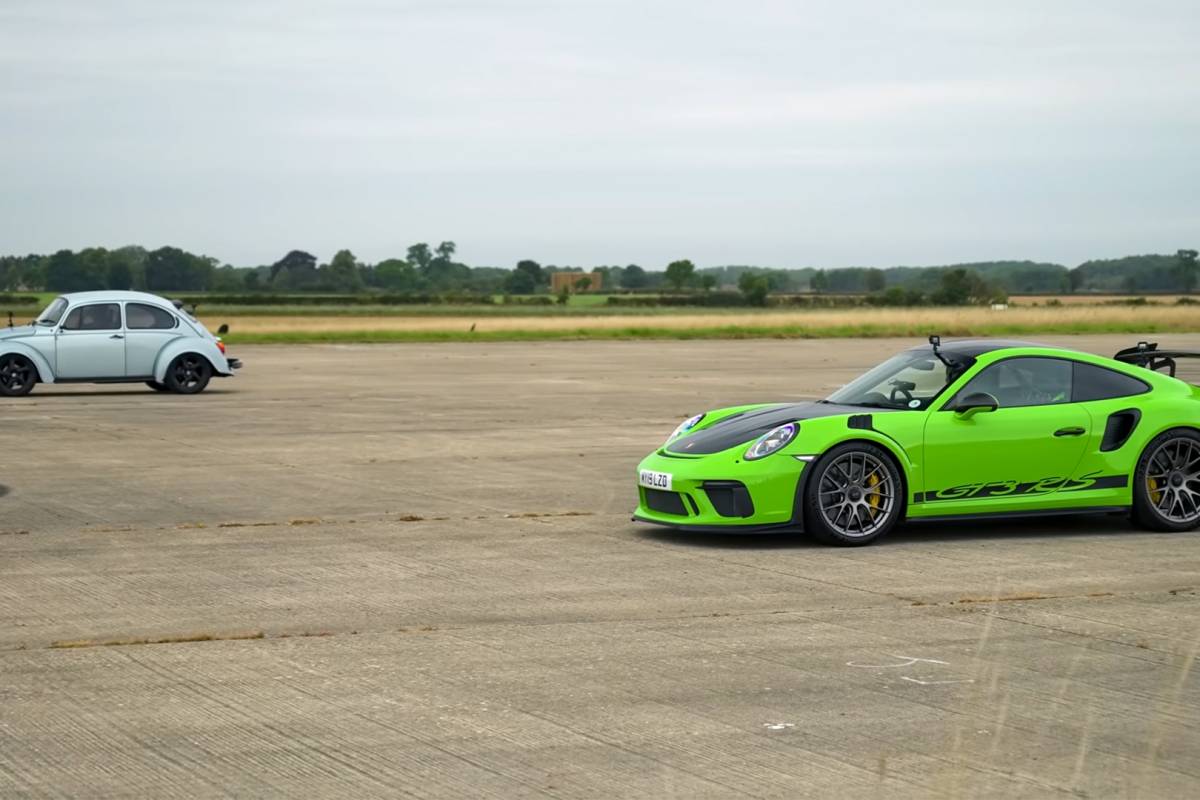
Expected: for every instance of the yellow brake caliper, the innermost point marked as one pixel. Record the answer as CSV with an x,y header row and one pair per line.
x,y
1155,494
873,498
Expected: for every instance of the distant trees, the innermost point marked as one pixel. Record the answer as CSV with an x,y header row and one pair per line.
x,y
296,270
526,278
819,282
1147,273
876,280
343,274
425,269
679,273
1186,270
960,287
171,268
395,275
633,277
754,288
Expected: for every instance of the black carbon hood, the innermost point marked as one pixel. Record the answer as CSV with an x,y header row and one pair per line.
x,y
749,425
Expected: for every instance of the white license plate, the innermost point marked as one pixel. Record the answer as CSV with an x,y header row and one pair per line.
x,y
655,480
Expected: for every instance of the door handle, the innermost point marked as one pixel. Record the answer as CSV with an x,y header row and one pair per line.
x,y
116,336
1070,432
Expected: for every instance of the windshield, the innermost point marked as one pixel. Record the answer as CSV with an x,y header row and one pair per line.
x,y
53,312
912,379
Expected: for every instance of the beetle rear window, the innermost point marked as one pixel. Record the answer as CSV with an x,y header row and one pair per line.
x,y
140,317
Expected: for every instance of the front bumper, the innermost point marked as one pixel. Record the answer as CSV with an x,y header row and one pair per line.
x,y
723,493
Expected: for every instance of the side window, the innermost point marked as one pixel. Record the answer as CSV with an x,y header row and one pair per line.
x,y
140,317
1018,382
99,317
1097,383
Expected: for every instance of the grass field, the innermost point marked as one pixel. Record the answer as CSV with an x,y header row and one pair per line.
x,y
726,324
586,317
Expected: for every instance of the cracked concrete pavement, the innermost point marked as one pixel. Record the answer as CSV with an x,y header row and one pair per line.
x,y
431,546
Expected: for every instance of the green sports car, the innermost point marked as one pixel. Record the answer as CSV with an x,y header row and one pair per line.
x,y
959,430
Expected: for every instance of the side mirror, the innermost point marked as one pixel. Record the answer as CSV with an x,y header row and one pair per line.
x,y
975,403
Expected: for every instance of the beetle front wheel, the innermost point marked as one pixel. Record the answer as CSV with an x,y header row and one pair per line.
x,y
17,375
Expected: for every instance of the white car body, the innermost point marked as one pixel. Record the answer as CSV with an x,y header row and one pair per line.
x,y
113,337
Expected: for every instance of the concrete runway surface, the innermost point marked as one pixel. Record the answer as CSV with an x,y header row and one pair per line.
x,y
410,571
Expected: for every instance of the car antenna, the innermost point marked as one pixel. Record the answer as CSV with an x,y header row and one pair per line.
x,y
10,319
936,341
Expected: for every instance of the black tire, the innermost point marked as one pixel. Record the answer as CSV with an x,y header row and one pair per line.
x,y
188,374
1166,483
158,387
17,375
854,495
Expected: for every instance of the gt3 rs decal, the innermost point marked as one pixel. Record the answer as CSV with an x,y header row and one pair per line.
x,y
1001,489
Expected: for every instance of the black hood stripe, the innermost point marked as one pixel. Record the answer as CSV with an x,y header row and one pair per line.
x,y
749,425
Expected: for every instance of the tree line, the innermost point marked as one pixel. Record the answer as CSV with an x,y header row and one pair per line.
x,y
426,269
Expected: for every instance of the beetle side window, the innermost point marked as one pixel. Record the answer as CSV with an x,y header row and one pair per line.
x,y
1097,383
141,317
1020,382
99,317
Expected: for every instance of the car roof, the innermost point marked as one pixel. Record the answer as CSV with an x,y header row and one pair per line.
x,y
115,296
977,347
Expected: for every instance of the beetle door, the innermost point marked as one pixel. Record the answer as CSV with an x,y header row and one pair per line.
x,y
148,329
1022,455
90,343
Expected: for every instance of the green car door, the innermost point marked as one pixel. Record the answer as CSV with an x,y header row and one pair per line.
x,y
1018,446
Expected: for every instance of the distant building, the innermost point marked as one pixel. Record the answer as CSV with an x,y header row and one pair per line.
x,y
570,281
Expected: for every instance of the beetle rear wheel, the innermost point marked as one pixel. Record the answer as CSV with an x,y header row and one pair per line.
x,y
1166,491
17,375
188,374
854,495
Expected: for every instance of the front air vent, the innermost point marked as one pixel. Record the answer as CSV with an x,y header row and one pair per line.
x,y
860,422
665,502
729,498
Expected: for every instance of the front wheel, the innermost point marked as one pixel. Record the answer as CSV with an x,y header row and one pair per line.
x,y
854,495
17,375
188,374
1166,483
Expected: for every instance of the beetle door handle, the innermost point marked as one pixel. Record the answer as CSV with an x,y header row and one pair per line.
x,y
116,336
1070,432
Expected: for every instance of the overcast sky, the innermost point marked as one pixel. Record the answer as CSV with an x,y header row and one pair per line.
x,y
603,132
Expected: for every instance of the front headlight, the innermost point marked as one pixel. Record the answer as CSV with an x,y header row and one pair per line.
x,y
686,426
771,441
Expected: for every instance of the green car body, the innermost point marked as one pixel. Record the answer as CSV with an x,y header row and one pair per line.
x,y
1063,447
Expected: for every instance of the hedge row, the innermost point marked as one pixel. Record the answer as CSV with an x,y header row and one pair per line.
x,y
336,299
19,299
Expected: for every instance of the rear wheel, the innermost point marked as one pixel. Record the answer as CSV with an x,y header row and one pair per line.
x,y
188,374
17,375
1166,483
854,495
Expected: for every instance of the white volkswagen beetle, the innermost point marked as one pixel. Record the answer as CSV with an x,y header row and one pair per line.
x,y
112,337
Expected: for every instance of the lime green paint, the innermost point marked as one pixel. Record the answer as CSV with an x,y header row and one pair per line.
x,y
1010,454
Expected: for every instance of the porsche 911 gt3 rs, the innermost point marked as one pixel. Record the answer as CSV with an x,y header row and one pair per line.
x,y
963,429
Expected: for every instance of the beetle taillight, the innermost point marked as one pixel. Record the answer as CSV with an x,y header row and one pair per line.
x,y
221,346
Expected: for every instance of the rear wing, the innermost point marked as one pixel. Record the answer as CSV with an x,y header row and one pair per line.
x,y
1147,355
